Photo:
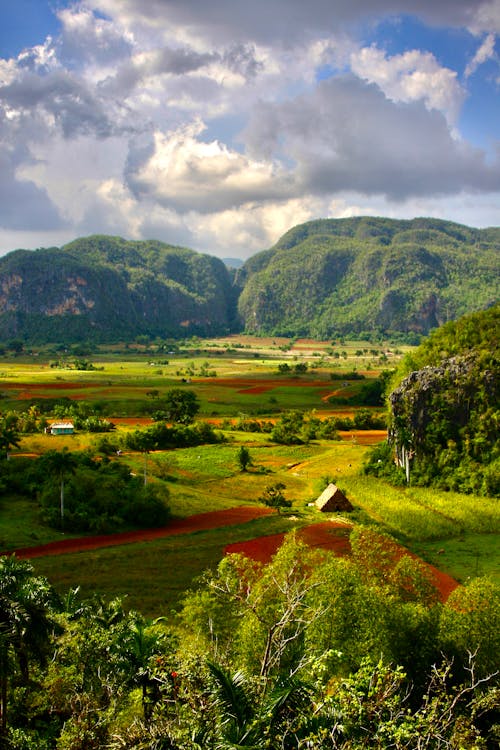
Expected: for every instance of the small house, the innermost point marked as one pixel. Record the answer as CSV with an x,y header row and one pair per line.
x,y
333,499
62,428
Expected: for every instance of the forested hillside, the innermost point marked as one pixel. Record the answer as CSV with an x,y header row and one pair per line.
x,y
362,277
105,288
444,409
366,275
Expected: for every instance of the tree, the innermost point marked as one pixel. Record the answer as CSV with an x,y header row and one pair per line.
x,y
244,458
273,497
288,428
181,406
246,719
142,654
26,604
9,436
60,464
143,443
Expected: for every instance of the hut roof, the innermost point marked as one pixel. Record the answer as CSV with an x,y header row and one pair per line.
x,y
333,499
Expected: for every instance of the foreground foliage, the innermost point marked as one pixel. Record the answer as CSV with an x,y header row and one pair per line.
x,y
309,651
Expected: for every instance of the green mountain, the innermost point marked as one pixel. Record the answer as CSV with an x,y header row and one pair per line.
x,y
367,275
361,277
107,288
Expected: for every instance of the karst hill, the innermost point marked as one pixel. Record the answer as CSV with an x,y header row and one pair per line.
x,y
362,277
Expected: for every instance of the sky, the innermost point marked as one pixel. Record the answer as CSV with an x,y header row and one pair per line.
x,y
219,125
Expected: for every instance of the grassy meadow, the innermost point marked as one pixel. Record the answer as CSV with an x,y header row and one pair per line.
x,y
232,378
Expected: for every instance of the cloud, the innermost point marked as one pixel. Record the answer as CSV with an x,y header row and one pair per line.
x,y
24,205
253,227
485,52
346,135
205,124
411,76
285,21
186,173
486,18
61,96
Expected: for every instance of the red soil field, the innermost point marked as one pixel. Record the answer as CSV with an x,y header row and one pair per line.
x,y
327,535
332,536
248,385
65,386
319,535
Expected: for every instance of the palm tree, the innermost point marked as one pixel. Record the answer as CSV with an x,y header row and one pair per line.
x,y
9,436
143,646
59,464
251,720
26,605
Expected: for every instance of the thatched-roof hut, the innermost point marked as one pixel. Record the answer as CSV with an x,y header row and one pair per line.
x,y
332,499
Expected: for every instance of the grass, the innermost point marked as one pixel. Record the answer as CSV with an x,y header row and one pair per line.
x,y
20,525
465,557
152,576
423,514
459,534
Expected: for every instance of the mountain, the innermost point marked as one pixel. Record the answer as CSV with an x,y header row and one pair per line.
x,y
362,277
367,275
106,288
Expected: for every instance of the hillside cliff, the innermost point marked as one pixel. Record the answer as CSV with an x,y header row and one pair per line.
x,y
444,409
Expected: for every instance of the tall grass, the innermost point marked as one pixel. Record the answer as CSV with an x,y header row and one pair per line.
x,y
419,513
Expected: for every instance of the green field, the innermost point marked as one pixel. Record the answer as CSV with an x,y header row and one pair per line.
x,y
457,533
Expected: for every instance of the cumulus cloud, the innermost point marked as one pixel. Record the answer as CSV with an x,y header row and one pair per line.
x,y
22,203
205,124
411,76
64,98
486,18
187,173
91,41
346,135
284,20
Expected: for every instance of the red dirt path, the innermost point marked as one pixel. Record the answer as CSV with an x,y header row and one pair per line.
x,y
199,522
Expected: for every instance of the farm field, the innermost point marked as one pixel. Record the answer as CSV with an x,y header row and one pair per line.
x,y
233,379
228,375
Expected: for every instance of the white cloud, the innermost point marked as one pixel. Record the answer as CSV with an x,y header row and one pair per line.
x,y
486,17
101,128
411,76
252,227
485,52
188,174
346,135
276,21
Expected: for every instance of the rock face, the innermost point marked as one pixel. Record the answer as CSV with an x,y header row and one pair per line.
x,y
446,415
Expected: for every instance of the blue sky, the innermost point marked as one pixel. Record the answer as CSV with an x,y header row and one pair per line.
x,y
220,125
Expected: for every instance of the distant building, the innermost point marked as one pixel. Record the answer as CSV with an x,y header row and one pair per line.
x,y
333,499
61,428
